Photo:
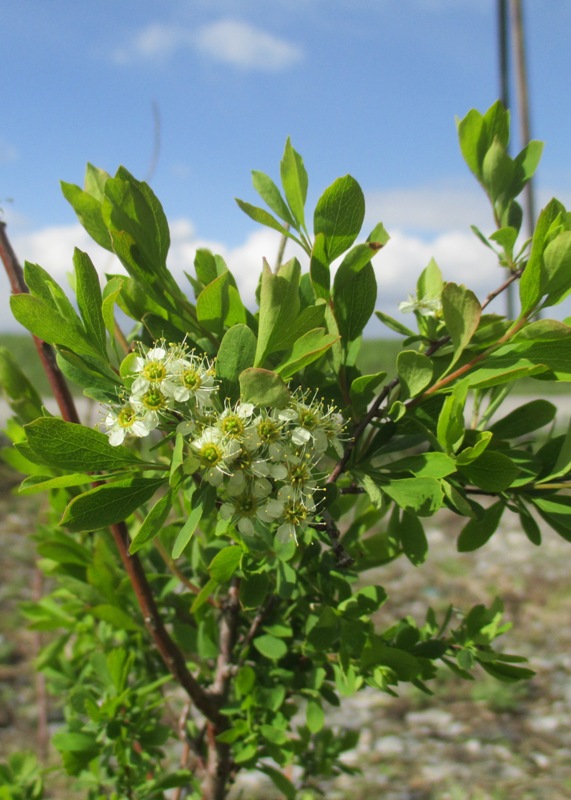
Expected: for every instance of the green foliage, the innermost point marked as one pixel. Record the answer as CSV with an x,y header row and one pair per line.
x,y
212,545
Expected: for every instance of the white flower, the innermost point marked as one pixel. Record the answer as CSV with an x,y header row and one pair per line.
x,y
151,369
247,508
149,405
234,421
124,421
313,425
192,379
426,307
215,452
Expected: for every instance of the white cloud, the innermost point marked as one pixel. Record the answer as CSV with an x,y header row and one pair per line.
x,y
459,254
228,41
431,208
246,46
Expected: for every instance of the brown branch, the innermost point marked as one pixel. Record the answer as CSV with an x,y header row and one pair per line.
x,y
57,382
170,653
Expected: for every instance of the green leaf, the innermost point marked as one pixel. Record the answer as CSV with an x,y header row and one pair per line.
x,y
422,496
393,324
111,292
115,616
450,428
236,353
253,590
282,784
472,137
532,282
525,419
23,398
479,441
339,215
497,172
429,465
430,283
263,388
557,269
109,503
153,522
307,348
279,307
87,205
219,305
492,471
355,296
415,371
225,563
75,448
131,206
525,165
363,390
263,217
50,325
413,538
89,299
43,483
319,268
314,716
270,193
506,672
294,182
461,311
202,597
556,511
188,529
477,532
95,376
270,646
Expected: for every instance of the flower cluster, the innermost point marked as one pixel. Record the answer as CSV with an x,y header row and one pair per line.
x,y
264,462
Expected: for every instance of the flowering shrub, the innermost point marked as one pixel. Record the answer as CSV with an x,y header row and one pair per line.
x,y
216,546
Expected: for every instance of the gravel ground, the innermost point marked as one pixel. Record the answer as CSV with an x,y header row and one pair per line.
x,y
470,741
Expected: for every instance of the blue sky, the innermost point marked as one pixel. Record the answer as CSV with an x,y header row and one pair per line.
x,y
369,87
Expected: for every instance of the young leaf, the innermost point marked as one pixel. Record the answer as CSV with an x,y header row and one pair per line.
x,y
263,388
279,307
88,210
306,349
50,325
415,372
472,137
461,311
269,192
236,354
339,215
89,299
294,182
